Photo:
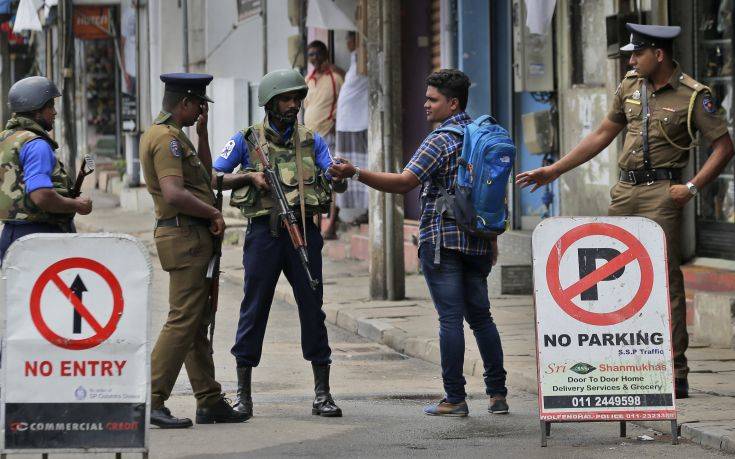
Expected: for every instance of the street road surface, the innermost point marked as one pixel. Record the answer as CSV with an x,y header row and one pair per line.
x,y
381,393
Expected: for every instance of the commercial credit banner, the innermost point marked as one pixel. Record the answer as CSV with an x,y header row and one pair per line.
x,y
602,320
75,360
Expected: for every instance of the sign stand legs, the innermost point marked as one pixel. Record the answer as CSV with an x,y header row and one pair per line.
x,y
674,433
546,432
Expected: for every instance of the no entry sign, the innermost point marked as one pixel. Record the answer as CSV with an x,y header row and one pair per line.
x,y
602,320
75,361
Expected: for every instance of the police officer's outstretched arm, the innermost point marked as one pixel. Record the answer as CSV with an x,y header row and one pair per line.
x,y
587,149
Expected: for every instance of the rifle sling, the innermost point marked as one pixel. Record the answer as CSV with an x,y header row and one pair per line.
x,y
300,173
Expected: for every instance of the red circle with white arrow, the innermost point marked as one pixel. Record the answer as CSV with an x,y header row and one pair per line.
x,y
73,293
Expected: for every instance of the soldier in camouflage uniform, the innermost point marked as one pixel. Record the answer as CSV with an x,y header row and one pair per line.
x,y
34,187
267,250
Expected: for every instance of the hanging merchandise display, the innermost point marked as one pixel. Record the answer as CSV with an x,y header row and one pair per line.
x,y
714,68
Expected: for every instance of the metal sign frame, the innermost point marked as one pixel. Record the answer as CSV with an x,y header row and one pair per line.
x,y
549,246
66,239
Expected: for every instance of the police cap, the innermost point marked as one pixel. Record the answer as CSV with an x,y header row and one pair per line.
x,y
650,36
194,84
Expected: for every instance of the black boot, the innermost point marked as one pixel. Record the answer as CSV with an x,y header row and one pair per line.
x,y
219,412
244,401
162,418
323,404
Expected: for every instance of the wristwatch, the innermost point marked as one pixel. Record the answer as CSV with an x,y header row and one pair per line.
x,y
356,175
692,188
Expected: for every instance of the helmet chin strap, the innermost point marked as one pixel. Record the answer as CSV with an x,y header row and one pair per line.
x,y
273,114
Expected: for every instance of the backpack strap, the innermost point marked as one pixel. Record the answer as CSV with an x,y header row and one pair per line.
x,y
485,119
452,128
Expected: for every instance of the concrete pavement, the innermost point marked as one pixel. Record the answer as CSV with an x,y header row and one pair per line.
x,y
410,327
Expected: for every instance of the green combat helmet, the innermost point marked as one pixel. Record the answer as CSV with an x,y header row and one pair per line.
x,y
280,82
31,94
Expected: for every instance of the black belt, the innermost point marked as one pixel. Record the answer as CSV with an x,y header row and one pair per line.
x,y
182,220
647,177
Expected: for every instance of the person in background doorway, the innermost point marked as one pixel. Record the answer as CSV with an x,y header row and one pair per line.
x,y
320,106
352,125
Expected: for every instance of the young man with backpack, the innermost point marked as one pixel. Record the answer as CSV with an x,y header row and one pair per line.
x,y
459,166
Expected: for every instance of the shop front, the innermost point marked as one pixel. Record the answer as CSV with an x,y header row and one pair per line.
x,y
96,29
713,56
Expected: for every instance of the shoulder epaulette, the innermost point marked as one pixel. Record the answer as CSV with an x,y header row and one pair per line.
x,y
691,83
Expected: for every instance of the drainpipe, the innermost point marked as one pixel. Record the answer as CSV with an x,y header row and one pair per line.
x,y
390,265
185,33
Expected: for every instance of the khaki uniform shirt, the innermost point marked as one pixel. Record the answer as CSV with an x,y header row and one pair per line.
x,y
166,151
320,104
669,112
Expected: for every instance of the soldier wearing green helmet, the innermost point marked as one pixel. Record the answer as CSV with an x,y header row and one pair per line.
x,y
36,190
267,250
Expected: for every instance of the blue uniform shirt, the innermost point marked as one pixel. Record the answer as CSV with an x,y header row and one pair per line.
x,y
236,153
37,161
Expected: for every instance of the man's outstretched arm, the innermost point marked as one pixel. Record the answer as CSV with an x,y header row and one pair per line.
x,y
382,181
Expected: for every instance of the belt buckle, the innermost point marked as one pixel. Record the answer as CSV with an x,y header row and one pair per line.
x,y
631,177
650,177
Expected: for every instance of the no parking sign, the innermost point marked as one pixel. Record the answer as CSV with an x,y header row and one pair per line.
x,y
75,360
602,320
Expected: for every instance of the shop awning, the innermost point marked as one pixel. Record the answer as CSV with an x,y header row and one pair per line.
x,y
325,14
26,18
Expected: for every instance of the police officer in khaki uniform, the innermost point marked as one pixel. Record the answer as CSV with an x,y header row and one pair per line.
x,y
179,180
663,109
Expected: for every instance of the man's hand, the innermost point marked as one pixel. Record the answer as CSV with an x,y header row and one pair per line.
x,y
84,205
680,195
341,169
217,227
259,180
537,177
494,246
202,121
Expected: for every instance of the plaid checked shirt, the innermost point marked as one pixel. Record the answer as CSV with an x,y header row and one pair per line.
x,y
435,163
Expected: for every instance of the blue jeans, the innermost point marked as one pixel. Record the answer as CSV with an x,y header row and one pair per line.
x,y
458,286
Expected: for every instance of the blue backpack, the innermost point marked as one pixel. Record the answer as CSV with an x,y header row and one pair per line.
x,y
479,204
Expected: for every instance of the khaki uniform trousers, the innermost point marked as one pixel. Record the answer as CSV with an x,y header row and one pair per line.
x,y
654,202
184,253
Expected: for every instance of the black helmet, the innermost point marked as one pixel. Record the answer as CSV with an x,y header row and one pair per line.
x,y
31,94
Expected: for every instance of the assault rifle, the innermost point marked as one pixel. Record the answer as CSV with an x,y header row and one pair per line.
x,y
86,169
213,267
287,216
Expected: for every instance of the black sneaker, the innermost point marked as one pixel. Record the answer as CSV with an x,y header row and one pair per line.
x,y
498,405
219,412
